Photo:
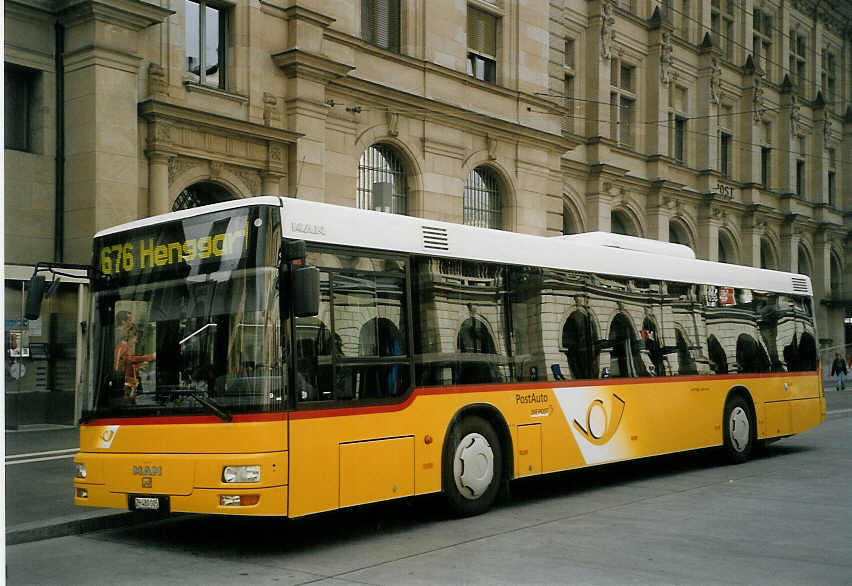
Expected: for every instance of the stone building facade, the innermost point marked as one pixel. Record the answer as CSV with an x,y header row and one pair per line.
x,y
725,125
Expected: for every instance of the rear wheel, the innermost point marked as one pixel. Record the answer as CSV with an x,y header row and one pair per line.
x,y
472,467
738,429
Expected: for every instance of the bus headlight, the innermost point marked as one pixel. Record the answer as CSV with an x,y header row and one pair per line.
x,y
241,474
81,470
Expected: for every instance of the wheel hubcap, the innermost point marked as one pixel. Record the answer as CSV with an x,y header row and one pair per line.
x,y
473,466
738,428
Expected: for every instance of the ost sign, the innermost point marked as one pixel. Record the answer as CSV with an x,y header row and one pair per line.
x,y
146,253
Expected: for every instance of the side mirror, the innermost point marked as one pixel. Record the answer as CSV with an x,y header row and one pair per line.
x,y
305,291
35,293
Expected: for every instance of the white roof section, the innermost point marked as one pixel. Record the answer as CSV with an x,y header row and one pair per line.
x,y
630,243
267,200
317,222
602,253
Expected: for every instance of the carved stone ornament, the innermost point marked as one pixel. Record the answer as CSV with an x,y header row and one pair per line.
x,y
178,165
607,29
666,58
795,117
275,154
250,178
757,105
826,128
491,145
715,81
215,168
270,112
393,123
157,85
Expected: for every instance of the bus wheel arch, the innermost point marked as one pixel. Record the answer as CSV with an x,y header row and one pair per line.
x,y
739,425
475,431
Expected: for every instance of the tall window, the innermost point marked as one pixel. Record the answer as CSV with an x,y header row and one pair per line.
x,y
722,24
832,176
684,20
19,91
800,167
798,59
764,166
622,102
382,180
568,87
482,201
481,45
829,78
725,155
206,42
679,139
762,39
380,23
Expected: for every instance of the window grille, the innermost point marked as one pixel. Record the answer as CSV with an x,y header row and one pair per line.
x,y
482,202
381,164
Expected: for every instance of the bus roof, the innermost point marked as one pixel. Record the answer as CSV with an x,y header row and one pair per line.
x,y
602,253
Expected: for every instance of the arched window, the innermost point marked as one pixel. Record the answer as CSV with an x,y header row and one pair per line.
x,y
836,275
483,206
727,249
804,264
678,234
381,173
578,339
767,256
569,222
620,223
201,194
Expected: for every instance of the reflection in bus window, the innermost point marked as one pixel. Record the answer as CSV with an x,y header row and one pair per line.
x,y
475,341
625,359
685,362
357,346
718,359
751,356
578,335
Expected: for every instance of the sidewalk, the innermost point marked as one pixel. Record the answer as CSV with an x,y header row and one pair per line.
x,y
40,504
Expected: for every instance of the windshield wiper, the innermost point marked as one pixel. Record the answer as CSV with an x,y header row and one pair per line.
x,y
217,409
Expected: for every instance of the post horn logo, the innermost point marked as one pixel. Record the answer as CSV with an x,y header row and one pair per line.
x,y
601,424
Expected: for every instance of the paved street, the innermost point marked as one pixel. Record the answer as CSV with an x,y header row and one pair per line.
x,y
785,517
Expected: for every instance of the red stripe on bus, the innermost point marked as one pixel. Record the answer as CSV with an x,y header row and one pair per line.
x,y
426,391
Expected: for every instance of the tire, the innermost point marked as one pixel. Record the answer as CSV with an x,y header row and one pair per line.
x,y
472,467
738,430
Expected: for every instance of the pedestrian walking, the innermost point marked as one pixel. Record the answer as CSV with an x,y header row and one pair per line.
x,y
838,367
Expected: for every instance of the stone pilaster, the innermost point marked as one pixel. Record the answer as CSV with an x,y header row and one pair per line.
x,y
308,72
102,54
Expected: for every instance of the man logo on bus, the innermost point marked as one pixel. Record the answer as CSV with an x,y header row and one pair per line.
x,y
600,424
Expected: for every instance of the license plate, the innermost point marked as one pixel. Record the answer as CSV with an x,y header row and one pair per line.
x,y
146,503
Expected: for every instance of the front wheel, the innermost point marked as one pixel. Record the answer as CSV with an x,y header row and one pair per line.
x,y
738,429
472,467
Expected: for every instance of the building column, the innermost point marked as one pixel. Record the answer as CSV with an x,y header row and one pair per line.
x,y
600,49
821,281
710,219
709,96
158,183
791,234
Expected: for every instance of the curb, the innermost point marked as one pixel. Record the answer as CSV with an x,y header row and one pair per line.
x,y
76,524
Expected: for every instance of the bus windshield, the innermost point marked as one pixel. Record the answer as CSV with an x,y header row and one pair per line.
x,y
186,318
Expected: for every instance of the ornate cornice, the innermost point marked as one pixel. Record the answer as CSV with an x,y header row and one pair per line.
x,y
300,63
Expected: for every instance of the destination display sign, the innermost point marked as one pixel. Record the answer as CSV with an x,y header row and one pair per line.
x,y
146,251
220,241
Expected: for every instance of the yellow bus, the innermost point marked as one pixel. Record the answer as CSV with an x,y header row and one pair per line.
x,y
272,356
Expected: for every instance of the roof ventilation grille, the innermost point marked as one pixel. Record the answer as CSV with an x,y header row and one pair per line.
x,y
435,238
800,285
